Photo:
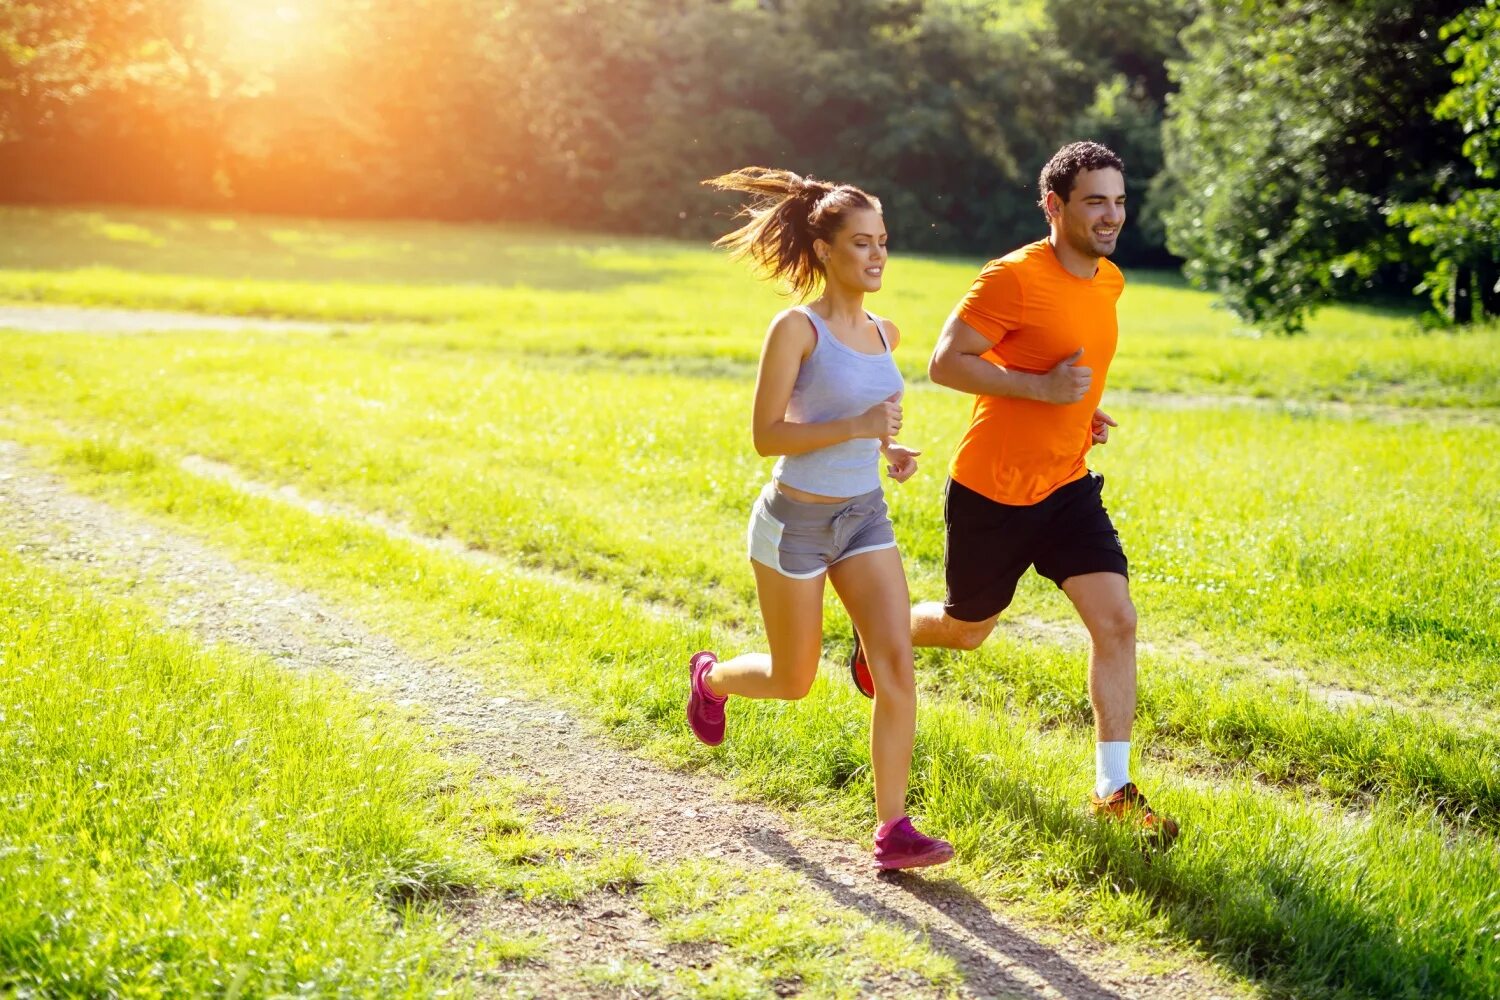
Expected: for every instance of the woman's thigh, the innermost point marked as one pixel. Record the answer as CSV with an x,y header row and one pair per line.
x,y
872,586
792,610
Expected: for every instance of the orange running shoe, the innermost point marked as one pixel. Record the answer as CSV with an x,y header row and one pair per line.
x,y
1128,805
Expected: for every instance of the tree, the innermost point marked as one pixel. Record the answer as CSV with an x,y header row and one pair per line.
x,y
1297,129
1120,51
593,113
1463,233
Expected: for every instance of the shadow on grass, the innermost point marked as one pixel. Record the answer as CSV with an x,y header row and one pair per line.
x,y
1292,923
987,964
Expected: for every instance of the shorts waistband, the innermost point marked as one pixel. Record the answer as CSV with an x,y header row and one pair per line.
x,y
788,508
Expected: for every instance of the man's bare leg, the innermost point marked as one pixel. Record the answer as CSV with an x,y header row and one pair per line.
x,y
932,626
1103,602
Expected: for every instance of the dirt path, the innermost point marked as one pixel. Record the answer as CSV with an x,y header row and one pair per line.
x,y
1333,408
689,815
78,319
1028,627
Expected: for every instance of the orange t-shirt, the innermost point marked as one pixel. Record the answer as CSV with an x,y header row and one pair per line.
x,y
1017,451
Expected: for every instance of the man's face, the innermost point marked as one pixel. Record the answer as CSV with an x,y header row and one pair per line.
x,y
1091,218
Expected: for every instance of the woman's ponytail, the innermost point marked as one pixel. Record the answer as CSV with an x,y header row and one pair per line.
x,y
787,214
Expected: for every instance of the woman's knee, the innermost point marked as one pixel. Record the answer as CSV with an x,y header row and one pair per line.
x,y
896,693
893,675
794,683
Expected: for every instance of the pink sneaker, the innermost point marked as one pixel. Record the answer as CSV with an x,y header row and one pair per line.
x,y
899,845
705,710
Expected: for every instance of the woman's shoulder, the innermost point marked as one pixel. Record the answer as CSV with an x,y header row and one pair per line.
x,y
792,330
793,321
888,327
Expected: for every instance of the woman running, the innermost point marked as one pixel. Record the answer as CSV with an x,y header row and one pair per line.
x,y
827,400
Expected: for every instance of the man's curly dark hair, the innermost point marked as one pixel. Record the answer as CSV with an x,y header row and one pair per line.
x,y
1063,169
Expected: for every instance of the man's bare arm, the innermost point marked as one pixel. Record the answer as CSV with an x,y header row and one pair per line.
x,y
957,363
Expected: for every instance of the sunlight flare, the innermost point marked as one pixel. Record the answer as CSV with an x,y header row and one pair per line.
x,y
267,37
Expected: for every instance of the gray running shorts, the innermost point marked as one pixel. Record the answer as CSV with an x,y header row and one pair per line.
x,y
801,540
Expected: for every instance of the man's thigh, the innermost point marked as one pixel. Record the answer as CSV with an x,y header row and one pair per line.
x,y
987,548
1080,537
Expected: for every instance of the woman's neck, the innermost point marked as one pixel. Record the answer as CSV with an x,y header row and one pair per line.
x,y
841,305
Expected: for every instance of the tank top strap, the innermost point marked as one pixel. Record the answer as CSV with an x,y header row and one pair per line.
x,y
821,330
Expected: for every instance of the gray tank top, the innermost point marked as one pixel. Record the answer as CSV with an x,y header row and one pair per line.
x,y
836,381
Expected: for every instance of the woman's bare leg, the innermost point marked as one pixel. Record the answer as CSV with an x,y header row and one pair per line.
x,y
872,586
793,613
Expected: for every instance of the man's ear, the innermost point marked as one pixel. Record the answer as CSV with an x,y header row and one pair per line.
x,y
1053,205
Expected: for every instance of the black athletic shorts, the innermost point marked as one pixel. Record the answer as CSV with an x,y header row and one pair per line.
x,y
990,545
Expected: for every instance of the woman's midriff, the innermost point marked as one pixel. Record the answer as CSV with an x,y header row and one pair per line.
x,y
805,497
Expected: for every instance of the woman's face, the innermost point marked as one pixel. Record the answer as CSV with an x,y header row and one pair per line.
x,y
855,258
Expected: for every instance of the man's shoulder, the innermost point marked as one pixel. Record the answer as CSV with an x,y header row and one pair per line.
x,y
1021,259
1019,265
1110,276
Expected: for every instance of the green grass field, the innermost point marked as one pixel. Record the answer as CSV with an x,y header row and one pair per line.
x,y
1319,607
165,828
167,831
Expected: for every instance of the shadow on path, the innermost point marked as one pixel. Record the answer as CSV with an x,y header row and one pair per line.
x,y
995,960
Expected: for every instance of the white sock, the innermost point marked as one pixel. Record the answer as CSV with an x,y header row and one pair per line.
x,y
1111,767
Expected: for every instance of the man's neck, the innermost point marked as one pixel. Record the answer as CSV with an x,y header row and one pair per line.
x,y
1080,265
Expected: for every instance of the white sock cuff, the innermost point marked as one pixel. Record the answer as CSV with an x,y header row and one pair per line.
x,y
1111,767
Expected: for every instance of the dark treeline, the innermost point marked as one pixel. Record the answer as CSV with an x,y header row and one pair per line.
x,y
605,114
598,113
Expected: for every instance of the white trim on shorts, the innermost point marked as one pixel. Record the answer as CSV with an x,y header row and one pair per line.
x,y
790,575
861,551
759,543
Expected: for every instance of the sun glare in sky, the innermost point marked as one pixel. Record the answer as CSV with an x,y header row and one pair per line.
x,y
259,35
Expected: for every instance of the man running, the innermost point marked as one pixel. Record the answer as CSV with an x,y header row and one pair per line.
x,y
1032,341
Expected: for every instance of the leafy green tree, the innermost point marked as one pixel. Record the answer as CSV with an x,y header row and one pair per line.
x,y
1128,120
595,113
1119,51
1133,39
58,56
1463,233
1297,129
943,117
77,74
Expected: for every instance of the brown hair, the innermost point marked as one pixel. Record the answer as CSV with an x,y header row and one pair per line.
x,y
1067,163
789,212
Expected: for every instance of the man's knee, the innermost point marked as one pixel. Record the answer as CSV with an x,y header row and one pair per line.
x,y
1115,625
971,635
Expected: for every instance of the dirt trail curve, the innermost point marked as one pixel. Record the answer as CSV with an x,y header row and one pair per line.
x,y
224,602
92,320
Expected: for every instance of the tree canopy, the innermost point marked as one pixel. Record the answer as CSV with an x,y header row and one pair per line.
x,y
1287,152
1463,233
603,113
1298,132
